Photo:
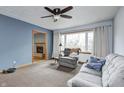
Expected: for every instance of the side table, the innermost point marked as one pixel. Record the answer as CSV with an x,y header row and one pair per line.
x,y
56,60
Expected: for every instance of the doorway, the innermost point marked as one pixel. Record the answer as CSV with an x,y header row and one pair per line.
x,y
39,46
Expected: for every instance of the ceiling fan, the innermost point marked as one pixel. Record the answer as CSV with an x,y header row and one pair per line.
x,y
57,13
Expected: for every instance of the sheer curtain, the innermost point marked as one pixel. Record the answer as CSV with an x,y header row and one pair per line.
x,y
56,42
102,41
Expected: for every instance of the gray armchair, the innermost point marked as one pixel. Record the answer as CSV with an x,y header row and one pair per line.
x,y
67,61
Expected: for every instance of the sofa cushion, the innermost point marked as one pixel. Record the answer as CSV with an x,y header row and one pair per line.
x,y
85,80
90,71
105,72
117,78
108,58
113,71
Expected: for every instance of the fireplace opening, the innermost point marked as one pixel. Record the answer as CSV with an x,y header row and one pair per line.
x,y
39,49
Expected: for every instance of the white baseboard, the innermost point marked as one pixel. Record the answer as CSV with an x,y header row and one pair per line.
x,y
21,66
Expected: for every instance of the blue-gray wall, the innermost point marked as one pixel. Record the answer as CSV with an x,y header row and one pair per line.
x,y
119,32
16,41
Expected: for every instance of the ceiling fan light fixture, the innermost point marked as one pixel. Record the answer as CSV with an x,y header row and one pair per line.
x,y
56,17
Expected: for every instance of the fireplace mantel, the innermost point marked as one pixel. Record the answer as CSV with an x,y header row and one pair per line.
x,y
40,43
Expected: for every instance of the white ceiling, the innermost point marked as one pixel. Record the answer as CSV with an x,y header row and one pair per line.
x,y
81,15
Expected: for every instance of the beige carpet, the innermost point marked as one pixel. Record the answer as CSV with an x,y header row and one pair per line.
x,y
43,74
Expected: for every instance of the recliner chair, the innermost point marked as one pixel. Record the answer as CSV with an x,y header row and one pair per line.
x,y
68,61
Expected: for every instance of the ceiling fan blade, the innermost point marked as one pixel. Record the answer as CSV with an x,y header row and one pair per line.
x,y
66,9
66,16
50,10
47,16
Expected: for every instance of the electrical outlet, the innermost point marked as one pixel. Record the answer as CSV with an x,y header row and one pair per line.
x,y
14,62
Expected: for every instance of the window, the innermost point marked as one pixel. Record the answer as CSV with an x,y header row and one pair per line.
x,y
82,40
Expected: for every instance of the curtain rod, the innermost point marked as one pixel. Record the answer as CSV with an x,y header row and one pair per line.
x,y
70,32
81,30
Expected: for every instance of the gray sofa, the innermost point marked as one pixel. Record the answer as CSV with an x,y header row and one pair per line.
x,y
112,74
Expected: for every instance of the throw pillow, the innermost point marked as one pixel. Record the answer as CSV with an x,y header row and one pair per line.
x,y
67,51
92,59
73,54
95,63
